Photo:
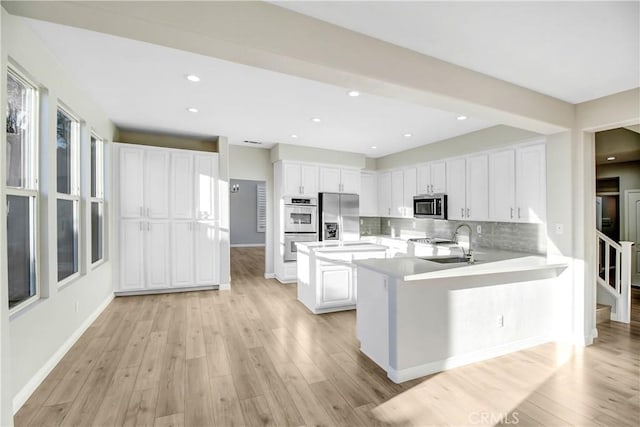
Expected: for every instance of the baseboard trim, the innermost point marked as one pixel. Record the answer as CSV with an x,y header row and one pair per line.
x,y
269,275
23,395
224,286
402,375
166,291
248,245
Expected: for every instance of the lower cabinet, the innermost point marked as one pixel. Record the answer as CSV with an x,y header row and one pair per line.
x,y
132,255
206,256
182,254
144,260
336,286
156,250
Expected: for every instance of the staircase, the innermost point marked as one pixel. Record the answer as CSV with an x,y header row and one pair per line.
x,y
614,279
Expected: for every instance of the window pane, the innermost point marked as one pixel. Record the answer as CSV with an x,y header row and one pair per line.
x,y
67,239
20,249
94,163
64,141
96,231
19,128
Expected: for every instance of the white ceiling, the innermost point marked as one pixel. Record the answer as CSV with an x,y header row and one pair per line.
x,y
573,50
142,86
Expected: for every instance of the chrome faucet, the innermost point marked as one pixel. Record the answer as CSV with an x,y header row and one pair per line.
x,y
469,254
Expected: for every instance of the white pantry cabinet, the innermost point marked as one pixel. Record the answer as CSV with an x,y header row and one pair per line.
x,y
337,180
300,179
432,178
468,188
168,237
369,194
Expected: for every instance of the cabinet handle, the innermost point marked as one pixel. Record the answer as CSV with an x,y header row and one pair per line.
x,y
141,212
518,213
462,212
468,212
303,189
389,211
511,213
149,212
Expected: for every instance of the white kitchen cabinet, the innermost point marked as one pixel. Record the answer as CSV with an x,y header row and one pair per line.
x,y
182,253
132,255
206,171
156,251
299,179
432,178
531,189
182,185
206,256
502,179
468,188
409,191
131,165
336,180
456,188
397,194
369,194
336,287
384,194
156,184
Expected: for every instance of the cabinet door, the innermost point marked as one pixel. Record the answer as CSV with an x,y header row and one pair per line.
x,y
206,254
350,179
131,255
502,168
384,194
531,189
409,188
206,168
330,180
397,194
478,188
182,260
439,177
156,184
156,251
182,180
424,179
369,195
131,182
309,180
456,188
336,287
292,180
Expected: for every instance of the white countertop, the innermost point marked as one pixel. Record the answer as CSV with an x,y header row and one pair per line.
x,y
337,246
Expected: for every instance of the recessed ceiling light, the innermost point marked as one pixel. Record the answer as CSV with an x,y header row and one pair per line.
x,y
192,110
407,135
293,135
611,158
193,78
462,117
316,120
373,147
353,93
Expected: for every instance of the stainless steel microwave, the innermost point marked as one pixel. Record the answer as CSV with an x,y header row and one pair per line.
x,y
430,206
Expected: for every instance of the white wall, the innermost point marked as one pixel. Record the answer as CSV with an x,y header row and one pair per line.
x,y
296,153
39,332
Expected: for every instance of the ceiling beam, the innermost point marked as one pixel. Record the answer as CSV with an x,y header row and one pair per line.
x,y
273,38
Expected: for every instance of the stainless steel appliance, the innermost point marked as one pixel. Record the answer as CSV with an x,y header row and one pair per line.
x,y
430,206
290,240
300,215
339,216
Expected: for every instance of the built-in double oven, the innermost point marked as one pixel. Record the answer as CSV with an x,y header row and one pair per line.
x,y
300,223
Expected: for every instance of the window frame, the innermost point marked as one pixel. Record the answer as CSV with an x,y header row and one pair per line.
x,y
75,195
99,197
30,188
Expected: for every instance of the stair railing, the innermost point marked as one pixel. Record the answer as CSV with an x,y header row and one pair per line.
x,y
615,273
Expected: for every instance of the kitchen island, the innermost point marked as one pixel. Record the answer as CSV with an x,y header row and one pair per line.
x,y
416,317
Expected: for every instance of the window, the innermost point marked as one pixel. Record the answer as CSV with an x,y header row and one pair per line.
x,y
97,199
22,190
68,195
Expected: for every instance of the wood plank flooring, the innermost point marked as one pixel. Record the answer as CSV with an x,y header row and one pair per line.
x,y
255,356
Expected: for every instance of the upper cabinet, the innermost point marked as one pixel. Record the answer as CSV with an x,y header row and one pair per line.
x,y
432,178
397,194
300,179
517,184
468,188
131,182
206,169
182,184
384,194
336,180
409,190
368,194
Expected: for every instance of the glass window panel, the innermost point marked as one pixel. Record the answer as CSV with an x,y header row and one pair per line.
x,y
67,238
19,129
63,150
20,249
94,164
96,231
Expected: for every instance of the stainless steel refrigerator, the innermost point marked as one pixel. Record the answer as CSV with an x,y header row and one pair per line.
x,y
339,216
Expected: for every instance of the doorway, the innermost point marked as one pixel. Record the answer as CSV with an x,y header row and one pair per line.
x,y
247,221
632,202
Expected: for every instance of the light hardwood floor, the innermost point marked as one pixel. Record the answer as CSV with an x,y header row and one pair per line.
x,y
255,356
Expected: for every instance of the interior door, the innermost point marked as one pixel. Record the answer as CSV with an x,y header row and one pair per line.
x,y
156,184
131,182
633,232
182,256
182,185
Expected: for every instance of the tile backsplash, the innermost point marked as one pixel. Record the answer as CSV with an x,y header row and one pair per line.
x,y
496,235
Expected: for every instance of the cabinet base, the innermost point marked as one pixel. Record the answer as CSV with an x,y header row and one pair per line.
x,y
328,309
170,290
